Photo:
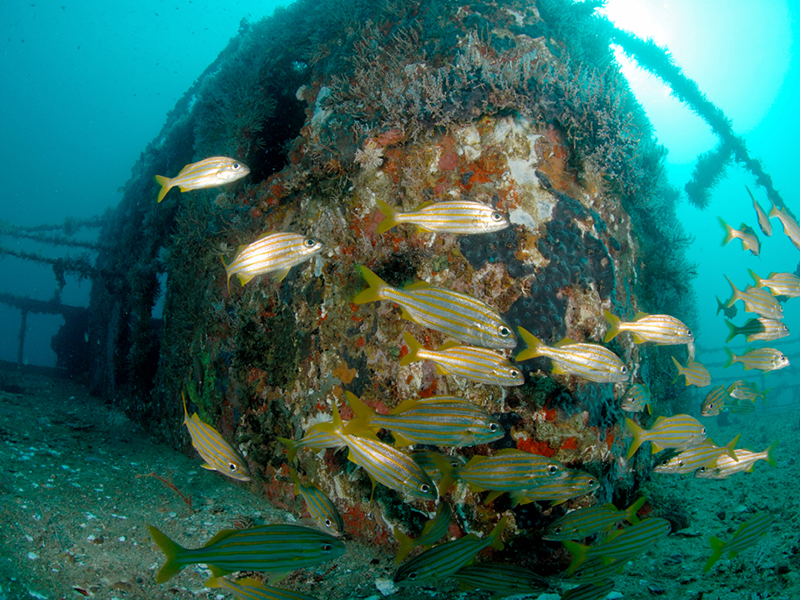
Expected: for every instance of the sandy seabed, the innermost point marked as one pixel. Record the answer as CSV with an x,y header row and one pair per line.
x,y
76,496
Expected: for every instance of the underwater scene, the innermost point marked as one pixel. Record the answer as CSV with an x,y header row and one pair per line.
x,y
400,299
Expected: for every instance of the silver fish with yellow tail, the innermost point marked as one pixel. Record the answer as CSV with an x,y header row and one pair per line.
x,y
582,523
319,506
763,359
790,226
450,216
432,532
453,313
745,462
207,173
715,401
757,301
587,361
248,588
749,533
571,485
747,390
760,329
763,219
677,431
636,398
746,234
218,454
780,284
704,454
695,373
274,253
663,330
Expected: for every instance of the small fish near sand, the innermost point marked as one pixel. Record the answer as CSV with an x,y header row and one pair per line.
x,y
763,359
696,457
663,330
433,531
715,401
744,463
318,505
450,216
746,234
749,533
677,431
207,173
582,523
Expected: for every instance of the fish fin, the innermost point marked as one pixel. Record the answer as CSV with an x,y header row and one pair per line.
x,y
224,264
164,182
656,448
730,360
578,552
735,295
171,551
418,285
533,342
448,473
244,278
337,419
406,545
280,275
758,281
613,326
720,305
638,436
447,345
413,349
208,467
565,342
637,339
680,370
770,454
716,552
630,512
389,216
497,534
401,441
405,405
649,409
217,572
517,497
559,370
774,213
728,232
213,582
730,446
640,315
494,495
406,315
360,409
375,283
358,425
734,331
296,478
291,447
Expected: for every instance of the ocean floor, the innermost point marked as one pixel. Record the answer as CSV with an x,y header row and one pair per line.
x,y
79,483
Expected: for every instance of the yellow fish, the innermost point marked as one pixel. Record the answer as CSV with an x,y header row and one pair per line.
x,y
209,172
274,253
451,216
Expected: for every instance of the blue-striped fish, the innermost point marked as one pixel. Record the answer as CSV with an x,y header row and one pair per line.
x,y
450,216
636,398
437,421
677,431
714,401
727,309
319,506
587,361
595,571
703,455
763,359
556,491
747,390
746,234
500,578
695,373
663,330
209,172
218,454
434,530
757,301
760,329
427,459
453,313
582,523
274,253
251,589
591,591
475,364
445,559
790,226
763,219
749,533
745,462
621,545
320,436
780,284
269,548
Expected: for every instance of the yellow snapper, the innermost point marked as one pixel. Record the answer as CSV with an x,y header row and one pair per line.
x,y
746,234
763,219
453,313
451,216
581,523
274,253
745,462
677,431
434,530
714,401
573,484
318,437
757,301
587,361
763,359
695,373
207,173
780,284
790,226
703,455
659,329
747,390
218,454
749,533
636,398
475,364
760,329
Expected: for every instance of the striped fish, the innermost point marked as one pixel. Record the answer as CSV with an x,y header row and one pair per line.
x,y
595,571
445,559
780,284
757,301
621,545
573,484
747,390
590,591
677,431
319,506
763,359
502,579
790,226
636,398
218,454
269,548
251,589
458,315
582,523
714,401
209,172
746,460
434,530
274,253
663,330
318,437
761,329
749,533
427,460
696,457
695,373
763,219
741,407
587,361
475,364
437,421
451,216
746,234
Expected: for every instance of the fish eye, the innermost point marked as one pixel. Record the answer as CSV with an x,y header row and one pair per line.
x,y
328,523
327,547
703,431
497,217
232,467
591,482
558,530
689,333
412,576
623,369
424,488
514,374
492,427
552,469
504,331
236,166
680,463
310,242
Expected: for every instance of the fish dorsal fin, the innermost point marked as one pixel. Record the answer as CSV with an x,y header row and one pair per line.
x,y
494,495
637,339
424,205
565,342
659,420
221,535
447,345
400,440
405,405
640,315
418,285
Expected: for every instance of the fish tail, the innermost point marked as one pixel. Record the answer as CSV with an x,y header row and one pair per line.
x,y
680,370
413,349
716,552
389,214
171,551
578,552
291,446
165,183
771,455
730,360
375,283
534,343
406,544
758,280
296,479
613,326
734,331
497,534
730,448
638,436
728,232
448,473
630,512
720,305
227,272
736,293
363,414
773,212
